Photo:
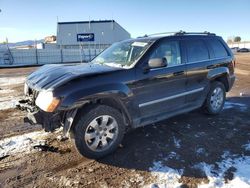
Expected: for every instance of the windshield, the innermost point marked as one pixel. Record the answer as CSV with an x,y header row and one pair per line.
x,y
122,54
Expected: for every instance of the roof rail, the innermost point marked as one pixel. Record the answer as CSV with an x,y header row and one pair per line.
x,y
156,34
163,33
179,33
194,33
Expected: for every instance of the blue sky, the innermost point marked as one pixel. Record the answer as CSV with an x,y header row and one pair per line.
x,y
35,19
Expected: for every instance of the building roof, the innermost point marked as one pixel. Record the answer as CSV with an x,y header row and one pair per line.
x,y
91,21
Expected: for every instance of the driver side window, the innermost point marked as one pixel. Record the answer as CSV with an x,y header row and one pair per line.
x,y
170,51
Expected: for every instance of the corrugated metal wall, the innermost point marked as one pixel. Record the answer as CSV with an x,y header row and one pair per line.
x,y
105,32
22,57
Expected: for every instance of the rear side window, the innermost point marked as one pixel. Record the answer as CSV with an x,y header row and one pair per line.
x,y
196,51
218,48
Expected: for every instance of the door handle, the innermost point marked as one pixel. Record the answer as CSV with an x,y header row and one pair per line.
x,y
178,73
211,66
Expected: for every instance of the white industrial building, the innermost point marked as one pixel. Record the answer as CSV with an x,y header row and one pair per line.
x,y
89,34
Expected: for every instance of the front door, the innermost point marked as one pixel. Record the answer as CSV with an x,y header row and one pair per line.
x,y
161,90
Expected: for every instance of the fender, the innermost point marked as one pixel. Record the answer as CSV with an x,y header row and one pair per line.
x,y
79,97
222,74
217,72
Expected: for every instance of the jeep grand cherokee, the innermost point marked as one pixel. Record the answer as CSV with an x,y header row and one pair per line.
x,y
133,83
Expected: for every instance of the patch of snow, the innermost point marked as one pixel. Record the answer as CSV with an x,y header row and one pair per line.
x,y
11,81
199,134
165,176
22,143
247,146
177,142
6,91
172,155
7,102
226,154
215,176
188,126
240,106
8,99
200,151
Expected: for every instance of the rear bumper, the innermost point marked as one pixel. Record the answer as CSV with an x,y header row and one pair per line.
x,y
49,121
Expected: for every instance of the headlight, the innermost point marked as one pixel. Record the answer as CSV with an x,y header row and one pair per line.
x,y
46,101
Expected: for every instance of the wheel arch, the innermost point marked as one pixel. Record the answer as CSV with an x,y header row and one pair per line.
x,y
113,101
220,74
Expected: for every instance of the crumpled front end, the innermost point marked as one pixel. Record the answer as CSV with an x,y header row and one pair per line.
x,y
49,120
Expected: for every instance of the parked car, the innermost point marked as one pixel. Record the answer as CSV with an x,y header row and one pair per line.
x,y
234,49
133,83
243,50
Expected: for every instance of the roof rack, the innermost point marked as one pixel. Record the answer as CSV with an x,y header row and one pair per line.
x,y
180,33
194,33
156,34
163,33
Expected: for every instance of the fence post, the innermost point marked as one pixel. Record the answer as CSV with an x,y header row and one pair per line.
x,y
61,55
36,56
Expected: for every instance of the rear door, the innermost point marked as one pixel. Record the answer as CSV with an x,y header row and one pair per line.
x,y
198,60
203,55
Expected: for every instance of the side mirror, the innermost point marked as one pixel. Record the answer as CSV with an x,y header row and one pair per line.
x,y
157,63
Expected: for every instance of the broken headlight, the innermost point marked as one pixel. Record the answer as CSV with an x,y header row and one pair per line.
x,y
46,101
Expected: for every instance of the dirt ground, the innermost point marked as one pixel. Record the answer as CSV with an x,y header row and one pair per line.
x,y
151,156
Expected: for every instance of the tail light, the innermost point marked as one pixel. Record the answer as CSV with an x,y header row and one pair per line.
x,y
231,66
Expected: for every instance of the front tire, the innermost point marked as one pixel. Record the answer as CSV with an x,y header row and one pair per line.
x,y
215,99
99,131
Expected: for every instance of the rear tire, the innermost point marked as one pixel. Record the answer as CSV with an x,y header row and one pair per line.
x,y
215,100
99,131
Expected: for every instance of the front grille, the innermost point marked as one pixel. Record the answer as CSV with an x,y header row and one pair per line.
x,y
32,94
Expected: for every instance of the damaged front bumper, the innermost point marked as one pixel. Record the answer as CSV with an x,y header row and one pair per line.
x,y
49,121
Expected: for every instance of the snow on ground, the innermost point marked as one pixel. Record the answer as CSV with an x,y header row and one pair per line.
x,y
177,142
172,155
240,106
22,143
6,91
216,176
200,134
8,102
11,81
247,146
165,176
200,151
7,95
216,173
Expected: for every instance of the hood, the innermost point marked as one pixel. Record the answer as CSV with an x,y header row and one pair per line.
x,y
51,76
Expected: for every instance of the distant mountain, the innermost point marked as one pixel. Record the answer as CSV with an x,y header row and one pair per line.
x,y
22,43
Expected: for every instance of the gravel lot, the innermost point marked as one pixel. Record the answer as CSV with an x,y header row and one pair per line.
x,y
189,150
